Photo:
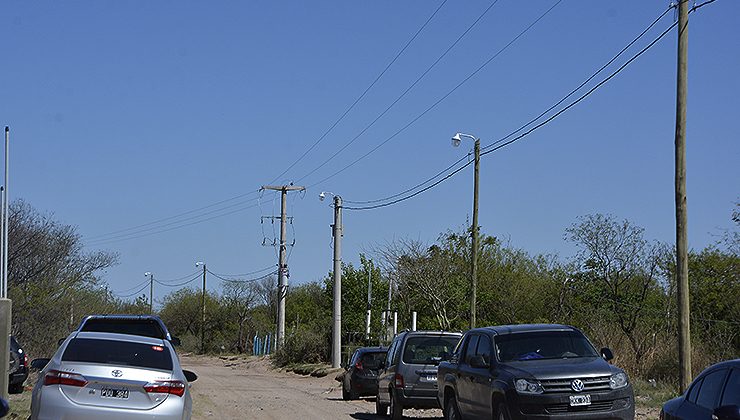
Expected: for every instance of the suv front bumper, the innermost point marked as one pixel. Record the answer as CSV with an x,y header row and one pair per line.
x,y
617,404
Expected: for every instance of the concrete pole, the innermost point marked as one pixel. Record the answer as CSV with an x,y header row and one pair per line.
x,y
6,305
151,293
413,321
369,303
6,200
395,323
682,267
203,313
336,353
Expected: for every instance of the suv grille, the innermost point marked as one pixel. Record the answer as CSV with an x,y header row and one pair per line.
x,y
565,408
599,383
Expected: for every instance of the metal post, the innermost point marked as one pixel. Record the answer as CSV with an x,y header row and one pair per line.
x,y
413,321
2,237
474,251
395,323
369,303
336,353
203,313
6,199
682,267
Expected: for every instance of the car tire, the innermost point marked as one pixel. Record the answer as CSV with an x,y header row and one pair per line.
x,y
380,409
15,388
396,408
502,412
452,412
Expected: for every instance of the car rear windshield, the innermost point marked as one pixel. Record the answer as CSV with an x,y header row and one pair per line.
x,y
372,360
543,345
144,327
428,349
117,352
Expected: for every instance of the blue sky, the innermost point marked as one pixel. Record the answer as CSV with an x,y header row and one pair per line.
x,y
124,113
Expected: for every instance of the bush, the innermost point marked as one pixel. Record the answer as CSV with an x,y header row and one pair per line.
x,y
303,346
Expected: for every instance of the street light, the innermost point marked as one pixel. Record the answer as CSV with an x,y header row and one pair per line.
x,y
203,311
336,353
151,291
456,140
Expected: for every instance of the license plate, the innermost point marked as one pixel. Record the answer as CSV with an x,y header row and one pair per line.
x,y
429,378
114,393
577,400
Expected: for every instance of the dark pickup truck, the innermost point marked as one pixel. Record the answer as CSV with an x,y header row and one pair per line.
x,y
537,371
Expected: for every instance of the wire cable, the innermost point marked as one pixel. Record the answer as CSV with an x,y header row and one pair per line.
x,y
131,294
179,284
359,98
270,267
164,282
145,282
445,96
560,112
402,95
252,280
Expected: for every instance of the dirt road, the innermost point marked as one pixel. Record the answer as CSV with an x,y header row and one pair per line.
x,y
248,388
238,388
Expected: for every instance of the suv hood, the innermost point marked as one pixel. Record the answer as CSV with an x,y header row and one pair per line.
x,y
544,369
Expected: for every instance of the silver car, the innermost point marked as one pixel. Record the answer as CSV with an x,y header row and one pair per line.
x,y
96,375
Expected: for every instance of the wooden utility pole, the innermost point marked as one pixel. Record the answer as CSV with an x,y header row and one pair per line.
x,y
282,265
682,266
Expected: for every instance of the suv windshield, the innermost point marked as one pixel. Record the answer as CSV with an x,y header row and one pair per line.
x,y
118,353
428,349
543,345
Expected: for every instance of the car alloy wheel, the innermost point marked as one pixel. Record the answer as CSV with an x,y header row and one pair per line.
x,y
451,411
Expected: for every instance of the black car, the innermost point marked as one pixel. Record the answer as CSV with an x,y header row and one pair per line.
x,y
535,371
144,325
361,377
18,368
714,394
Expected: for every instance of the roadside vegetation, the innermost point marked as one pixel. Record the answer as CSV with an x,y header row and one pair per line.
x,y
619,288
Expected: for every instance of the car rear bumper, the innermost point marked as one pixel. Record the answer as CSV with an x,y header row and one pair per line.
x,y
419,398
53,404
615,405
364,385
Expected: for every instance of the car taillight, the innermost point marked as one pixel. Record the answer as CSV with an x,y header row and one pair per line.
x,y
358,365
56,377
166,387
398,380
25,360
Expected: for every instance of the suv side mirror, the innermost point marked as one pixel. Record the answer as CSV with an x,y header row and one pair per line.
x,y
607,354
726,412
478,361
39,363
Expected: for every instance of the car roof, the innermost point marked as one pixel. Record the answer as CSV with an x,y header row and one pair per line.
x,y
379,349
734,363
94,335
430,333
122,316
520,328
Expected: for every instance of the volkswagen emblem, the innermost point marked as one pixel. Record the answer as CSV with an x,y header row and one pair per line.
x,y
577,385
118,373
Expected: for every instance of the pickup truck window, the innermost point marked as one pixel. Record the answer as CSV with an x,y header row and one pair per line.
x,y
470,348
484,348
543,345
428,349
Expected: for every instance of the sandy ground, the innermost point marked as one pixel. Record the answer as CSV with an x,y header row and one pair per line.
x,y
248,388
238,388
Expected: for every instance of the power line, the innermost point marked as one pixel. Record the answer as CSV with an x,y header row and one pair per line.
x,y
270,267
402,95
179,284
145,282
492,148
359,98
434,105
164,282
172,217
105,242
252,280
134,293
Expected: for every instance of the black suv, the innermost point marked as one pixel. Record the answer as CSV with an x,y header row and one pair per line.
x,y
144,325
18,368
361,377
538,371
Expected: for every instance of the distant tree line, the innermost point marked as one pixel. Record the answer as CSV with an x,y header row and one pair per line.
x,y
619,288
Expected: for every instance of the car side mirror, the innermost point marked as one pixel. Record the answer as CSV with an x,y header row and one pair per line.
x,y
607,354
478,362
175,341
726,412
190,376
4,407
39,363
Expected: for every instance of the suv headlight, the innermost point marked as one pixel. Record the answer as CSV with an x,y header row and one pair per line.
x,y
618,380
524,386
